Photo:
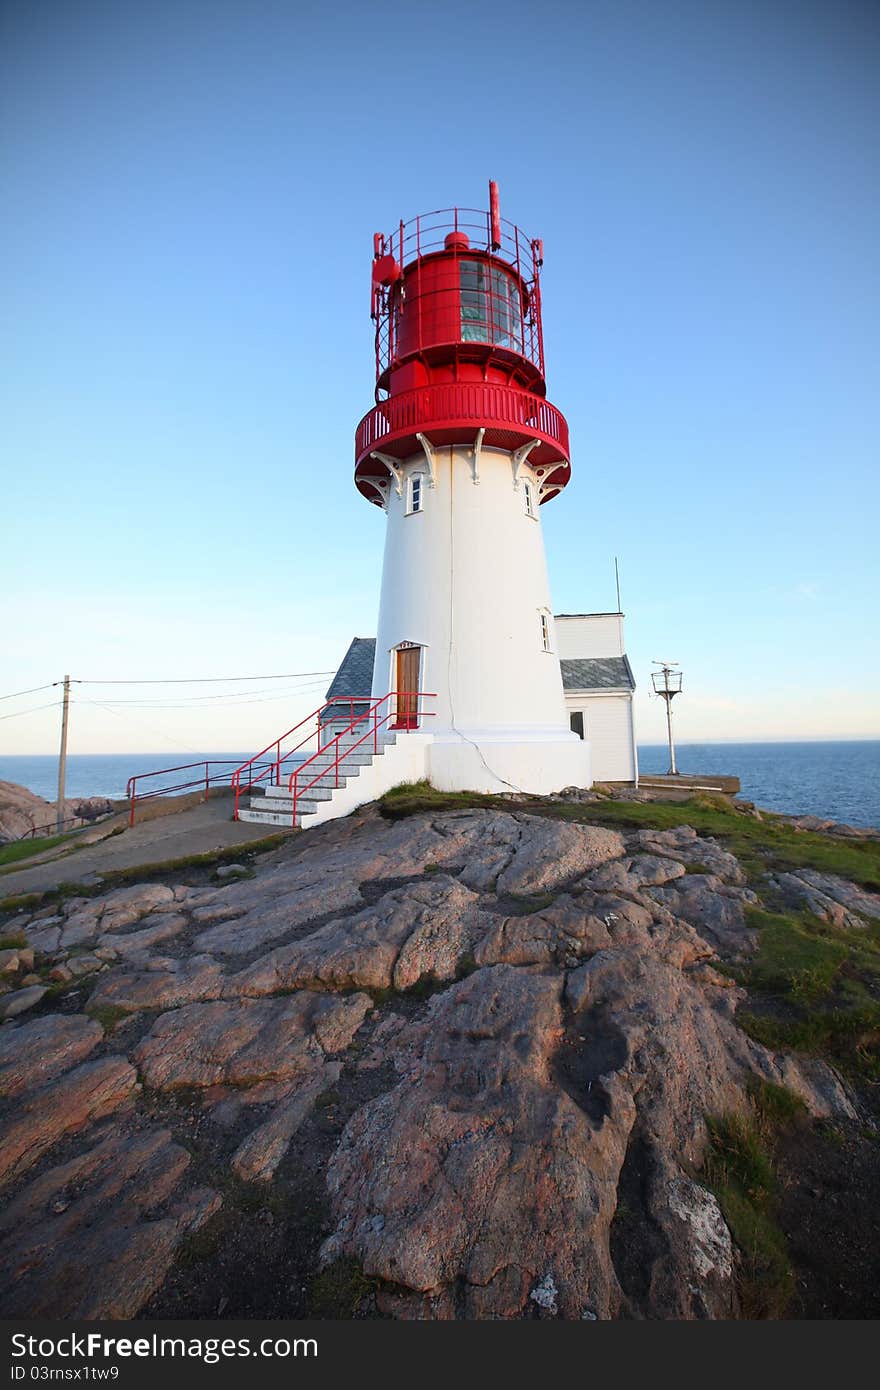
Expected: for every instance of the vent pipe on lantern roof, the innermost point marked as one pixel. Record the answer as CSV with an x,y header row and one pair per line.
x,y
494,215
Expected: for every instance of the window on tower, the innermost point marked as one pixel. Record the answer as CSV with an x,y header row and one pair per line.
x,y
529,499
546,641
414,493
491,310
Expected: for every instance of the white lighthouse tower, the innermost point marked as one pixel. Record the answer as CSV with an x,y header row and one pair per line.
x,y
462,450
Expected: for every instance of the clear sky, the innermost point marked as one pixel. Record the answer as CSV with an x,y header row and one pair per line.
x,y
190,189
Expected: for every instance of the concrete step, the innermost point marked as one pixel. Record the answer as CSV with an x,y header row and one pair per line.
x,y
317,777
322,775
274,817
357,758
284,805
382,737
281,797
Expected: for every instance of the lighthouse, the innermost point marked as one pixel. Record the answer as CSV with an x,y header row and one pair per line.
x,y
462,450
464,683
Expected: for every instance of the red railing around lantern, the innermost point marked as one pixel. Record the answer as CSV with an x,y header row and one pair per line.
x,y
464,404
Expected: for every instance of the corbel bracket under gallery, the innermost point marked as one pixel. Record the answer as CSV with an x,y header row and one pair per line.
x,y
476,451
430,459
520,457
395,468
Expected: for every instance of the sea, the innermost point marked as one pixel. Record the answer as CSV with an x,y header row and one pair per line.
x,y
837,780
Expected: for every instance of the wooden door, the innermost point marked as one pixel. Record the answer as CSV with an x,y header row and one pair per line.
x,y
407,687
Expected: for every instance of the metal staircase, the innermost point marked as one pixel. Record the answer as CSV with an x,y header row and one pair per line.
x,y
348,768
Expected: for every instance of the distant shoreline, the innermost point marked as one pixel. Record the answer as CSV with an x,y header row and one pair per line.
x,y
836,779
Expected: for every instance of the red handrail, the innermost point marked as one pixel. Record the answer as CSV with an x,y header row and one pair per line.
x,y
371,713
205,778
275,763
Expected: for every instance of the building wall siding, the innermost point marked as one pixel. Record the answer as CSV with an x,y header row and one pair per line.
x,y
590,634
608,728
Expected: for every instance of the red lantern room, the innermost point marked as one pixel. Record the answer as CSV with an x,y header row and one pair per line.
x,y
456,301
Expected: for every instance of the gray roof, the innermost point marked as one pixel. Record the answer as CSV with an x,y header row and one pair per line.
x,y
597,673
355,675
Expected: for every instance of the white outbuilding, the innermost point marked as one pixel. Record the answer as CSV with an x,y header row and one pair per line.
x,y
598,683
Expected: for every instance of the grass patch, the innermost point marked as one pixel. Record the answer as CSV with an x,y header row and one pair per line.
x,y
26,849
794,956
847,1037
16,941
533,902
775,1106
340,1290
761,846
108,1015
818,990
21,902
739,1169
415,798
140,872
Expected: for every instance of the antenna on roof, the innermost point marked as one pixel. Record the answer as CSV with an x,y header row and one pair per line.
x,y
617,582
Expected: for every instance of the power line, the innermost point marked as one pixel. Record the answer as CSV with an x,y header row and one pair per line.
x,y
144,725
33,690
203,680
199,701
156,706
172,680
53,705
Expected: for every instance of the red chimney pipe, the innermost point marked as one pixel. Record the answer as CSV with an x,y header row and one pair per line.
x,y
494,215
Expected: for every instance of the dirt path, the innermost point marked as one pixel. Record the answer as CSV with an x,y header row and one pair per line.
x,y
197,830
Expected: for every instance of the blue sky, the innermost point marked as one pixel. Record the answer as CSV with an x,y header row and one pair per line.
x,y
191,190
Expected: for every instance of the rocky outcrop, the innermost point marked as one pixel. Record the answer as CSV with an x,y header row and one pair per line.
x,y
242,1043
513,1111
842,904
96,1236
698,853
22,811
258,1156
34,1053
715,909
419,932
495,1036
165,984
72,1102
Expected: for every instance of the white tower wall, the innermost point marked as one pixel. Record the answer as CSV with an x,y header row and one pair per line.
x,y
465,579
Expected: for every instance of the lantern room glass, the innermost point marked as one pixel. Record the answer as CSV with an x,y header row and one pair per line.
x,y
491,309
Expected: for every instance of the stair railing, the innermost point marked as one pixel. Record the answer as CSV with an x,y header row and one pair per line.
x,y
407,718
256,769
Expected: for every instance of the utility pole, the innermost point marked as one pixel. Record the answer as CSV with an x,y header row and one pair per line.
x,y
667,684
62,756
